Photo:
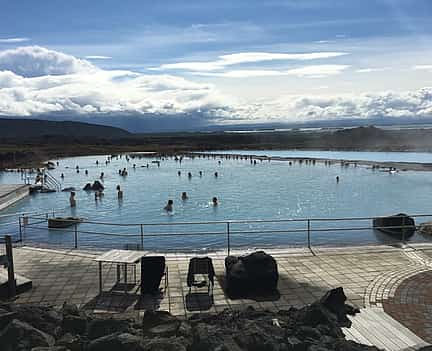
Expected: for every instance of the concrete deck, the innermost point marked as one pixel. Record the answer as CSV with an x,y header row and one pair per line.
x,y
370,277
11,193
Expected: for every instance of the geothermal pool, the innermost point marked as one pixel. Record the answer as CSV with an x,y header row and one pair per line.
x,y
268,190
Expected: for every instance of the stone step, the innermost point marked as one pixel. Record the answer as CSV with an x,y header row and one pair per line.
x,y
22,283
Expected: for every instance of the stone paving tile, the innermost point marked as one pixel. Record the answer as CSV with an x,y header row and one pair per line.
x,y
72,276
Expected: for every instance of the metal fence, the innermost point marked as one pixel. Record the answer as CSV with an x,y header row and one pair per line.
x,y
229,234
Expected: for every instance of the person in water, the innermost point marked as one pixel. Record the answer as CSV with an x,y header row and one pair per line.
x,y
184,195
169,206
119,193
215,201
72,200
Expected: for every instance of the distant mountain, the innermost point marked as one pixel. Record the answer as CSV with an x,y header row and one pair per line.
x,y
19,128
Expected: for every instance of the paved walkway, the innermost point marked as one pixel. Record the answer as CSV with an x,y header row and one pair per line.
x,y
384,278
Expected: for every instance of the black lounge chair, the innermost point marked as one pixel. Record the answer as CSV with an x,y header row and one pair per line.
x,y
202,266
153,268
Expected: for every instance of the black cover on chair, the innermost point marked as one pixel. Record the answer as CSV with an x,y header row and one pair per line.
x,y
200,265
152,271
251,275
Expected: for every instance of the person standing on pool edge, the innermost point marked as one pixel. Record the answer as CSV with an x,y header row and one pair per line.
x,y
72,200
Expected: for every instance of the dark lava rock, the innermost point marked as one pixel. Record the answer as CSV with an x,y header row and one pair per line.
x,y
160,323
6,317
71,309
74,324
51,348
40,317
166,344
116,342
101,327
254,274
20,335
334,301
206,338
71,342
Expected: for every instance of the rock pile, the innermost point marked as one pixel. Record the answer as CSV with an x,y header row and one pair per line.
x,y
316,327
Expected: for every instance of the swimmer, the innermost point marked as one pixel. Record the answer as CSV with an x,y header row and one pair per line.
x,y
184,195
119,193
169,206
72,200
215,201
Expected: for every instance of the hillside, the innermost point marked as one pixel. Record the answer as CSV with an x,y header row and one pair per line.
x,y
18,129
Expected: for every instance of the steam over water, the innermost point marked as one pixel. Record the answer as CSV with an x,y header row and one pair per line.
x,y
267,190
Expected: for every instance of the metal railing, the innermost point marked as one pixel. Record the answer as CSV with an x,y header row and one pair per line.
x,y
311,231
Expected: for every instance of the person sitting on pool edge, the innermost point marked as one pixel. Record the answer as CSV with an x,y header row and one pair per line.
x,y
215,201
119,192
184,195
169,206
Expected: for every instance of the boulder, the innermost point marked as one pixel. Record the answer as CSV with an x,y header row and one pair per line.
x,y
334,301
40,317
425,228
399,225
20,335
251,275
71,342
116,342
74,324
6,317
101,327
166,344
160,323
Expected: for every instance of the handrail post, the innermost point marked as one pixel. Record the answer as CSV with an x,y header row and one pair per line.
x,y
142,236
20,229
76,236
228,237
308,233
10,266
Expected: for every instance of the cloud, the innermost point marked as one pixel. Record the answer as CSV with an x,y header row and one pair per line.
x,y
246,57
306,108
36,81
423,67
13,40
34,61
372,69
97,57
313,71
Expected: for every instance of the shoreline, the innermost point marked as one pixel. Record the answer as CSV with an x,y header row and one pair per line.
x,y
400,166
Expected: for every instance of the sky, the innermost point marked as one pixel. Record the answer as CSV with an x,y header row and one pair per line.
x,y
216,62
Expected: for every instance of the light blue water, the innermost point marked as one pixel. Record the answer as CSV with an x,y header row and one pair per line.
x,y
419,157
268,190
